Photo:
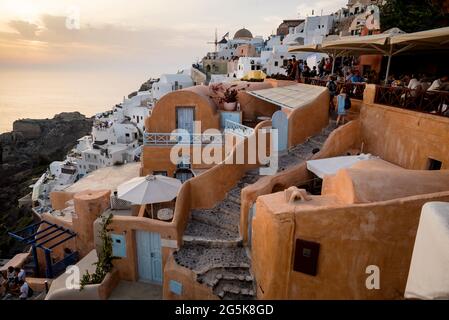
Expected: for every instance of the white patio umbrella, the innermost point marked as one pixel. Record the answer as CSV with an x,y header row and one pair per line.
x,y
148,190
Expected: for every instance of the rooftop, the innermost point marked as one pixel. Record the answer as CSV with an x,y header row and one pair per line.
x,y
106,178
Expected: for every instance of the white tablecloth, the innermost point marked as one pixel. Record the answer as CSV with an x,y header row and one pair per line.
x,y
429,269
330,166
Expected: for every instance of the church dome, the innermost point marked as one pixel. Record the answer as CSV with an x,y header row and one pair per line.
x,y
243,34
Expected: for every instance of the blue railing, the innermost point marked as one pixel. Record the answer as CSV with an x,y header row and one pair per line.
x,y
237,128
60,266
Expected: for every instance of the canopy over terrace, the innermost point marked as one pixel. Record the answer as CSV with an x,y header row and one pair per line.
x,y
392,44
291,97
334,53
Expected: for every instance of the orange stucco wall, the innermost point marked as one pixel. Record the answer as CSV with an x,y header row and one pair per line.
x,y
191,289
351,238
339,142
89,205
163,116
308,120
403,137
59,198
365,216
157,158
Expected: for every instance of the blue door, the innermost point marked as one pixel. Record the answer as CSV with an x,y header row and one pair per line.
x,y
149,258
279,121
184,118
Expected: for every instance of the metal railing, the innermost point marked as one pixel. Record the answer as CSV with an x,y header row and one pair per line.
x,y
59,267
354,90
170,139
238,128
435,102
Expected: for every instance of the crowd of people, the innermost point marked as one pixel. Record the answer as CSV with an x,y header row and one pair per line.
x,y
299,70
14,284
420,82
347,70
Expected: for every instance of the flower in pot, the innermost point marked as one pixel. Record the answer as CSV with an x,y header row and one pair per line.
x,y
230,99
228,96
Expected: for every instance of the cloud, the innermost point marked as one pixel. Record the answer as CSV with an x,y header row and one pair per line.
x,y
52,42
26,29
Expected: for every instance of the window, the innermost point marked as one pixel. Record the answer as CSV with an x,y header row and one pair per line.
x,y
276,63
433,164
160,173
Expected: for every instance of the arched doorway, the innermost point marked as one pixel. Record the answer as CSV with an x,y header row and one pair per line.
x,y
280,122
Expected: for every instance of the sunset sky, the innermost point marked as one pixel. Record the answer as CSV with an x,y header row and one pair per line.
x,y
161,35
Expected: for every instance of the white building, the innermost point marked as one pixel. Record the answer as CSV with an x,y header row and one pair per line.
x,y
228,48
135,109
312,31
170,82
247,64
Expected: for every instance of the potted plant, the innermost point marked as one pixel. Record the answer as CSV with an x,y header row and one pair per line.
x,y
226,96
230,99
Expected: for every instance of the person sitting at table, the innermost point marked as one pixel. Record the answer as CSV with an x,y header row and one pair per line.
x,y
356,78
10,275
414,85
439,84
21,274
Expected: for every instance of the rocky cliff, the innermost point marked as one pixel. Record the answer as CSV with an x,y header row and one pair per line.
x,y
25,154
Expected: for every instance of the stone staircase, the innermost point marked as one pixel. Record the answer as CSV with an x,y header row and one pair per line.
x,y
213,247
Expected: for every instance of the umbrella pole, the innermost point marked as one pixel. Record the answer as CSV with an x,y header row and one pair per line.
x,y
152,216
333,64
388,69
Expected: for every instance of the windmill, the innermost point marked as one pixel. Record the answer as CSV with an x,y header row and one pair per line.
x,y
216,42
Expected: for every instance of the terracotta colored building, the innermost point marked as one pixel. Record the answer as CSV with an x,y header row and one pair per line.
x,y
321,235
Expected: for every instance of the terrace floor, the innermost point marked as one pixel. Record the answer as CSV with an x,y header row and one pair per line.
x,y
128,290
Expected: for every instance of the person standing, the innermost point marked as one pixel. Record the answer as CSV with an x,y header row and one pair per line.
x,y
332,87
343,103
289,67
321,67
294,70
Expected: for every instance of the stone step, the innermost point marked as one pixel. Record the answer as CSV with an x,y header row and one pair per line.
x,y
218,218
231,290
234,199
203,233
201,259
229,207
234,193
212,277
